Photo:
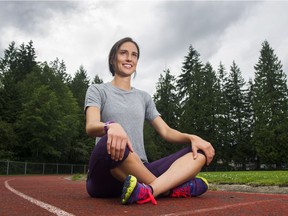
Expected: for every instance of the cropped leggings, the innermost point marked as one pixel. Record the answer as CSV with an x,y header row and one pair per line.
x,y
101,183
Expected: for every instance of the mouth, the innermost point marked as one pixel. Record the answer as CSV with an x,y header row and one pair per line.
x,y
128,66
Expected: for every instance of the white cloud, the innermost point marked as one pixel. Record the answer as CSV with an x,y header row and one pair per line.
x,y
242,42
85,37
82,33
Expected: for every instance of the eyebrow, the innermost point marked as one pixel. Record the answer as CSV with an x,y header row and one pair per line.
x,y
125,50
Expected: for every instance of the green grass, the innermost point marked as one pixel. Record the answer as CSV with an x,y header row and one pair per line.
x,y
78,177
253,178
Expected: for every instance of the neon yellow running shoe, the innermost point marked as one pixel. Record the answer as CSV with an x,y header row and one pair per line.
x,y
135,192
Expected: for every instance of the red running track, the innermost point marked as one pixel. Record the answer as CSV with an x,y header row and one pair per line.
x,y
57,195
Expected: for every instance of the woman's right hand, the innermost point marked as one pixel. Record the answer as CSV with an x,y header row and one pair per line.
x,y
117,139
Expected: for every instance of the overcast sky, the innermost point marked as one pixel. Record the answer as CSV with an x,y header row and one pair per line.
x,y
82,33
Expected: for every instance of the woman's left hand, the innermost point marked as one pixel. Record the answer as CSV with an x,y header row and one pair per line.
x,y
201,144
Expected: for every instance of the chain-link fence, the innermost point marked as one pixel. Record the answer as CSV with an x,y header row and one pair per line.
x,y
28,168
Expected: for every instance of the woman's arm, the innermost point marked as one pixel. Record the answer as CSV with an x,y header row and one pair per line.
x,y
94,128
174,136
117,139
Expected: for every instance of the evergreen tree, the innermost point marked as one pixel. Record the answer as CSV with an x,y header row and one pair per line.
x,y
199,90
187,86
7,141
270,107
79,85
166,99
200,93
83,144
239,133
167,104
152,147
250,122
16,64
210,95
191,67
59,68
48,122
222,145
97,80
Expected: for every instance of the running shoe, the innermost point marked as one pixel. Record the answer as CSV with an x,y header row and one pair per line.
x,y
192,188
135,192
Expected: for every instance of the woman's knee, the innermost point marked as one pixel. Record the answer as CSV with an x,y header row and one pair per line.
x,y
201,160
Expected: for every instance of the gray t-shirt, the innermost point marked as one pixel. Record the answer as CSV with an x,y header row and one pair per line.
x,y
128,108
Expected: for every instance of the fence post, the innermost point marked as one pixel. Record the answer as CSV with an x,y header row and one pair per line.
x,y
71,168
7,171
25,169
43,169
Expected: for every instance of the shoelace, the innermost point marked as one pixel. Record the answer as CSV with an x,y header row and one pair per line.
x,y
181,192
147,199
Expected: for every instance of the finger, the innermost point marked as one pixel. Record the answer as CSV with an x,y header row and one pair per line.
x,y
112,149
210,157
122,149
117,150
209,160
194,152
109,140
130,145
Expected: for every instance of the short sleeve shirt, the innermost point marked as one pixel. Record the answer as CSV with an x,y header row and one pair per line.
x,y
128,108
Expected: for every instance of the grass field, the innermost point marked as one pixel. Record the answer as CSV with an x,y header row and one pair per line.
x,y
253,178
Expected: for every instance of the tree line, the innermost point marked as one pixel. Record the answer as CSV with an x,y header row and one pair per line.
x,y
42,118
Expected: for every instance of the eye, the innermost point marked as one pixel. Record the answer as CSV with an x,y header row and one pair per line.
x,y
122,52
135,54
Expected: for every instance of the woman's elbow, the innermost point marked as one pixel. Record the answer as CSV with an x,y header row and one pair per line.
x,y
90,132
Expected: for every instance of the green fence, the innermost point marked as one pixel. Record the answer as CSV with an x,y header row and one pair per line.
x,y
29,168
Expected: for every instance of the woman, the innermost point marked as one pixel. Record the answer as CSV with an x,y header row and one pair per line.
x,y
115,114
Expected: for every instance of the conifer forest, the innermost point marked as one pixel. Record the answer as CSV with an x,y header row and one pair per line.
x,y
42,118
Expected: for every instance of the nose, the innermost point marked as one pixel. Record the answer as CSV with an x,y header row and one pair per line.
x,y
129,57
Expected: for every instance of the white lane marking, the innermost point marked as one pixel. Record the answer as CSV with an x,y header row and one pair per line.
x,y
43,205
216,208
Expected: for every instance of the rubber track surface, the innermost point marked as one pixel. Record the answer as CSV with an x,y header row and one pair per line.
x,y
70,198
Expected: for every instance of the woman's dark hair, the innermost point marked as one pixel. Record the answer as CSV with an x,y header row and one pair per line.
x,y
114,50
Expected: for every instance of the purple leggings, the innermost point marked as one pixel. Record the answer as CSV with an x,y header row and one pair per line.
x,y
100,182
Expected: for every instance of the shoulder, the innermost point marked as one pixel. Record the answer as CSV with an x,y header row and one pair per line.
x,y
102,87
99,91
143,94
98,86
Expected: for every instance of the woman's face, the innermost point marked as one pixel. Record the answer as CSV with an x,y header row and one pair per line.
x,y
126,59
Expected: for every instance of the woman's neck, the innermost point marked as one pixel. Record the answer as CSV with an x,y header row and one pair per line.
x,y
122,83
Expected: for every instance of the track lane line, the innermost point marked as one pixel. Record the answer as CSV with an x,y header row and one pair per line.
x,y
46,206
217,208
